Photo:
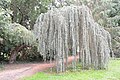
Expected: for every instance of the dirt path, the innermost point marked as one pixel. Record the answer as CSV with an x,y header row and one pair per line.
x,y
22,70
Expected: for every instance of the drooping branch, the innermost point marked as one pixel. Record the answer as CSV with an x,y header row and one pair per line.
x,y
70,30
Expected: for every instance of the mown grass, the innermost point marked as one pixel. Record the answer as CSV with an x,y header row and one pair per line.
x,y
112,73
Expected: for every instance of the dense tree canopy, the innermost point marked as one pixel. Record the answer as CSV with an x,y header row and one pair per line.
x,y
17,19
25,12
14,35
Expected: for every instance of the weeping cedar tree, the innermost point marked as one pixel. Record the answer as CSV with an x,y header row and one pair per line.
x,y
72,28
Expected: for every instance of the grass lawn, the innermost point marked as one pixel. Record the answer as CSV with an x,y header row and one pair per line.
x,y
112,73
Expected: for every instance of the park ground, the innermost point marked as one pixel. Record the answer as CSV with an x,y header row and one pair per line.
x,y
42,71
112,73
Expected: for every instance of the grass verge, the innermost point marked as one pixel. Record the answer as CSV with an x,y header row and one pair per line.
x,y
112,73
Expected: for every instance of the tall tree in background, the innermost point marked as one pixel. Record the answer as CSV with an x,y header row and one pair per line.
x,y
14,37
25,12
114,13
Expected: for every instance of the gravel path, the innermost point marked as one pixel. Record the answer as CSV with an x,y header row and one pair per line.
x,y
16,72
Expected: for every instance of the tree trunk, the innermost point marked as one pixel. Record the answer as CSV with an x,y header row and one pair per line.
x,y
14,53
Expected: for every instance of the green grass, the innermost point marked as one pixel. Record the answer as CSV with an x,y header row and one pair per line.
x,y
1,67
112,73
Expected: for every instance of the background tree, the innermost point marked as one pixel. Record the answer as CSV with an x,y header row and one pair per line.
x,y
25,12
13,36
